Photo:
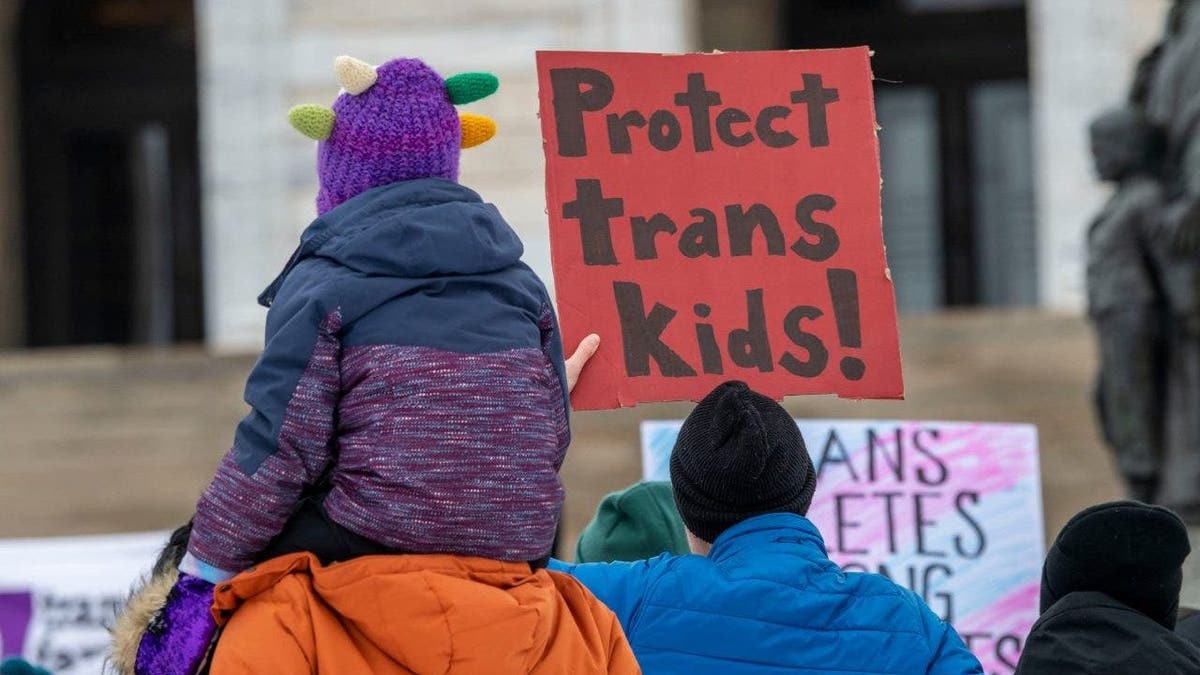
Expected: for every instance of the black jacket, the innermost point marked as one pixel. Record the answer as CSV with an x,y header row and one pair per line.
x,y
1188,626
1089,633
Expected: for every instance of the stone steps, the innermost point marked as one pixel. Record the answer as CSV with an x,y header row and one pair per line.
x,y
108,439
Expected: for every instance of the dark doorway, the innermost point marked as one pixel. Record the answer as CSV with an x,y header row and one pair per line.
x,y
952,95
108,102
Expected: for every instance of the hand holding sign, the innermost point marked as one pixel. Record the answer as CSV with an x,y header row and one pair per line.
x,y
576,361
670,184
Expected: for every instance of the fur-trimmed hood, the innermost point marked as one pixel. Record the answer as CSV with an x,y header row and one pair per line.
x,y
145,603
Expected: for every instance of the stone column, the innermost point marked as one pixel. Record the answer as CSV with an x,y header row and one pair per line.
x,y
242,51
12,270
259,58
1082,56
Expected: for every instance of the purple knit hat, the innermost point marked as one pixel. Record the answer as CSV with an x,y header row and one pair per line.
x,y
394,122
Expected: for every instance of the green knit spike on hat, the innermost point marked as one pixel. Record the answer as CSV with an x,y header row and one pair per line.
x,y
634,524
314,121
470,87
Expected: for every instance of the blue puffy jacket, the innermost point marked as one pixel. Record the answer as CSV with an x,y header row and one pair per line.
x,y
767,599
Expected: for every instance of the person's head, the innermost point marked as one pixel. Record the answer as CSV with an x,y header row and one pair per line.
x,y
636,523
1130,551
392,122
738,455
1123,142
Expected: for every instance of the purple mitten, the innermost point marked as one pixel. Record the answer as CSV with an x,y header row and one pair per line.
x,y
179,637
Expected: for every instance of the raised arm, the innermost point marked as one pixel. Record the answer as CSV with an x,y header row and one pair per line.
x,y
280,448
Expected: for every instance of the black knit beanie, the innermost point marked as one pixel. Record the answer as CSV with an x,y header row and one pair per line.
x,y
738,455
1130,551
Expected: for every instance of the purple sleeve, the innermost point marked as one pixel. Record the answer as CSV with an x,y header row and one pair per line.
x,y
256,490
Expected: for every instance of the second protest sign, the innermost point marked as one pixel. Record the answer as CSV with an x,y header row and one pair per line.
x,y
717,216
950,510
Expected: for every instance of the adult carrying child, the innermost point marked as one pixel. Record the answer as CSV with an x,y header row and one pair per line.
x,y
413,374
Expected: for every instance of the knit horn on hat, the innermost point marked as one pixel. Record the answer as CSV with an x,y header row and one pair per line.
x,y
393,122
739,454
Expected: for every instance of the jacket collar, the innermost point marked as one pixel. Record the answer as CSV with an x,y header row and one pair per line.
x,y
265,576
759,531
369,206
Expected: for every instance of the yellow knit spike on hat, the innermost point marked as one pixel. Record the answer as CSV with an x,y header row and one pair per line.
x,y
476,129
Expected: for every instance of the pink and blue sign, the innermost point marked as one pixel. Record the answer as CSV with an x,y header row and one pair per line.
x,y
951,510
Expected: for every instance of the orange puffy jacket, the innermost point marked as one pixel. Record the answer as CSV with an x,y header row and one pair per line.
x,y
413,614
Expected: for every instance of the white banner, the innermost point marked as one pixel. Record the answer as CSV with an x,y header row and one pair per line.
x,y
59,596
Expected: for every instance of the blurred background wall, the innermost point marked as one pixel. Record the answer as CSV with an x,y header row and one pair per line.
x,y
150,187
1082,56
259,58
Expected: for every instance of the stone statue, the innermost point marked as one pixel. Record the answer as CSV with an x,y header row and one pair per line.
x,y
1144,272
1173,104
1122,295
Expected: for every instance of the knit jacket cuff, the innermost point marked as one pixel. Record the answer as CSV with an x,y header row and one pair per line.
x,y
195,567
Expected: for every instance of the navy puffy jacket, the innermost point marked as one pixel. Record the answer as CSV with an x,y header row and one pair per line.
x,y
412,358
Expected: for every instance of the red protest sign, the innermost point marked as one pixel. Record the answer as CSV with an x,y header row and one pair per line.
x,y
717,216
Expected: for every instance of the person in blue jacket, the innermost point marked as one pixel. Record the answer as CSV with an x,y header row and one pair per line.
x,y
760,594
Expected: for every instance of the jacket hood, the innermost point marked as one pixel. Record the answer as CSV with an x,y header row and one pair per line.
x,y
145,601
1091,633
412,229
1188,625
450,610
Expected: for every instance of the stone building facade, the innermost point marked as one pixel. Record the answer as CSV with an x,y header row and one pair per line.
x,y
258,58
255,59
